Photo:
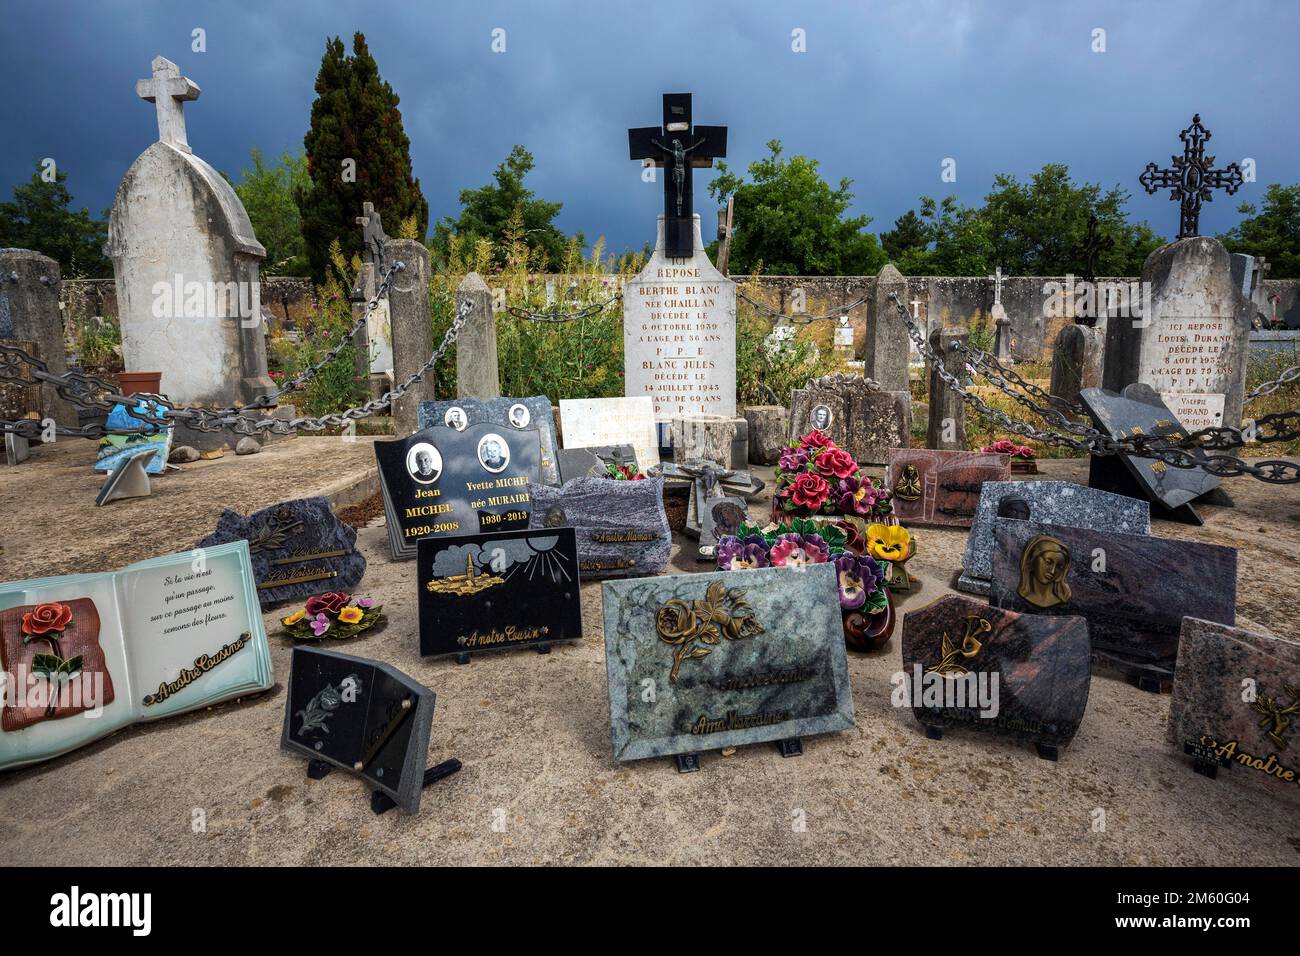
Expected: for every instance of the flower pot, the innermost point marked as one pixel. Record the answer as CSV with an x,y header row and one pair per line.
x,y
869,632
132,382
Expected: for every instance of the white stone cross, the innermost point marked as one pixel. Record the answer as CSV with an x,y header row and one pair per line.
x,y
997,287
167,91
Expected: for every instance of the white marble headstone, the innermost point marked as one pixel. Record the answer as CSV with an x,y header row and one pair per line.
x,y
588,422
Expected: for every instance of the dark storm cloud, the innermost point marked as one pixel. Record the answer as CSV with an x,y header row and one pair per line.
x,y
884,93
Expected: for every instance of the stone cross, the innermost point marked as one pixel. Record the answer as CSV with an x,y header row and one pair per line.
x,y
1192,177
997,285
167,91
373,235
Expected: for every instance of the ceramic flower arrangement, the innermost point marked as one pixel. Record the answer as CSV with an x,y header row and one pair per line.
x,y
864,602
623,473
332,615
1022,456
892,546
816,477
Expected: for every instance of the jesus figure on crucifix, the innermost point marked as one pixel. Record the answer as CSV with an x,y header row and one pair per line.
x,y
678,153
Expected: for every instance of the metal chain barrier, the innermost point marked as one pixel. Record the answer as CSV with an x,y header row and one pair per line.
x,y
1276,427
586,312
1268,388
772,313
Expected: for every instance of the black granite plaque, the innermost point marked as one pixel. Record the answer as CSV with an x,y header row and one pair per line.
x,y
488,592
362,716
1133,589
516,414
298,548
443,481
1139,410
594,462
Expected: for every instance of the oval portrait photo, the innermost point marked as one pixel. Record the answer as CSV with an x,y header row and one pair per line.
x,y
493,452
424,463
455,418
519,416
821,417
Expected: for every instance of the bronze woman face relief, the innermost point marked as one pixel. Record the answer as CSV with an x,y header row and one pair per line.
x,y
1043,567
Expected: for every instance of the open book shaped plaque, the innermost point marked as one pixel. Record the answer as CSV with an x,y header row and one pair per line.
x,y
85,655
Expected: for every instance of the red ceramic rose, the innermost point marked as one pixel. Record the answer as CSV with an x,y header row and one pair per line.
x,y
46,618
809,490
329,603
817,439
837,462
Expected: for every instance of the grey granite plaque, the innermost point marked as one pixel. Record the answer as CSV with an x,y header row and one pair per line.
x,y
621,527
519,414
705,661
1054,502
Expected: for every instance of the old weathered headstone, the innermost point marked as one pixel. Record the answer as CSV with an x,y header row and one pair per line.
x,y
30,315
612,421
710,438
679,334
476,348
859,415
769,430
947,424
373,342
412,329
186,265
1192,347
885,355
1051,502
1077,360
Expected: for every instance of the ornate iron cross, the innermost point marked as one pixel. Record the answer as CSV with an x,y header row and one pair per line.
x,y
1094,245
1192,177
678,148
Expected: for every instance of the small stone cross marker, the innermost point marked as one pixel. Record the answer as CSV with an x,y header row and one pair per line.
x,y
167,91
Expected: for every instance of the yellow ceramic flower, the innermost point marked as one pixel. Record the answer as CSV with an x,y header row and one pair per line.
x,y
350,615
888,542
293,618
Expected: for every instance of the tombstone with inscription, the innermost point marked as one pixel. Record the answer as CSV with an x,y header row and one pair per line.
x,y
186,265
860,416
679,313
587,422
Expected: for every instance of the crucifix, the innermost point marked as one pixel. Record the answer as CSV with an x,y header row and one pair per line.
x,y
167,91
1094,244
1192,177
678,147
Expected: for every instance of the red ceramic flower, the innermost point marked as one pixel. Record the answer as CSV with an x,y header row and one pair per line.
x,y
810,490
837,462
329,603
817,439
46,618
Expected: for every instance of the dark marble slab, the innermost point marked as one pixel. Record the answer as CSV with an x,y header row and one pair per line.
x,y
941,487
1051,502
506,413
362,716
473,481
1236,705
594,462
967,664
298,548
719,659
1139,410
1133,590
620,526
492,592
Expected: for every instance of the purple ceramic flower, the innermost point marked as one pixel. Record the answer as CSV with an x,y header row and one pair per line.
x,y
320,624
735,554
366,602
791,550
857,496
792,460
859,578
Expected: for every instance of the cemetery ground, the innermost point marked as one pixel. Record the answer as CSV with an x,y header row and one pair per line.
x,y
539,784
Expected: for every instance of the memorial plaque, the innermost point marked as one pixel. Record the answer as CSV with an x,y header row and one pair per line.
x,y
1051,502
490,592
966,664
517,414
1133,590
1140,411
595,462
941,487
299,548
733,657
362,716
1235,704
612,421
620,526
443,481
115,449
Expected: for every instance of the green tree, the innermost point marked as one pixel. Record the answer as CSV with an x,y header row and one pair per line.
x,y
357,151
909,233
41,217
1273,233
267,193
789,221
486,212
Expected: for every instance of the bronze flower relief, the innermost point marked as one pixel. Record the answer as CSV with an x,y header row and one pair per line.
x,y
721,614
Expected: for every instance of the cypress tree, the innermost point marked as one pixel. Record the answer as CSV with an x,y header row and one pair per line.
x,y
355,117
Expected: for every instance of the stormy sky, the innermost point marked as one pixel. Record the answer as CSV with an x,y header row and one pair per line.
x,y
884,93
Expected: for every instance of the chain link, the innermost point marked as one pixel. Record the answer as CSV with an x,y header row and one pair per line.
x,y
1268,388
772,313
586,312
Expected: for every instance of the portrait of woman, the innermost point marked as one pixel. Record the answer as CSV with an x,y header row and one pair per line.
x,y
1043,566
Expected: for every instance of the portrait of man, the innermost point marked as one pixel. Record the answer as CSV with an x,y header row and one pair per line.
x,y
455,418
1043,566
822,417
424,463
493,453
519,416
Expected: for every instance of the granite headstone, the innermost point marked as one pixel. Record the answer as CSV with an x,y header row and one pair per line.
x,y
518,414
621,527
941,487
594,462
